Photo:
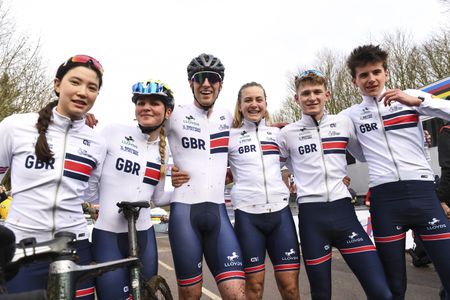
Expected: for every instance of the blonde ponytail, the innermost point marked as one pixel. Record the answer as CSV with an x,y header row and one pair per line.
x,y
162,150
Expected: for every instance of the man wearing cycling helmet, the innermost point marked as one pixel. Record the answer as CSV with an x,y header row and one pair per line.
x,y
136,157
199,225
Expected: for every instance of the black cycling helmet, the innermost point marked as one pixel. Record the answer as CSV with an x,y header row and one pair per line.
x,y
205,62
154,87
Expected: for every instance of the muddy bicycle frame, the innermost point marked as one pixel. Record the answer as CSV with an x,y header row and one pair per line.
x,y
64,273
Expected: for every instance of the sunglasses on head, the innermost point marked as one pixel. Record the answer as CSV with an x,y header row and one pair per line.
x,y
307,72
86,59
212,77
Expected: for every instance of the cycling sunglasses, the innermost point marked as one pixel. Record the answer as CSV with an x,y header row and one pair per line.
x,y
307,72
212,77
86,59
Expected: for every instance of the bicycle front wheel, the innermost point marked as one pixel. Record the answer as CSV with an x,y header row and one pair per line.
x,y
157,289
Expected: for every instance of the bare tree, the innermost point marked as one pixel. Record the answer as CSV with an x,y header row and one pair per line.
x,y
343,93
411,65
24,85
435,53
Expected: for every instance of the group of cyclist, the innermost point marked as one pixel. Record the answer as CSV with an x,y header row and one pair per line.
x,y
57,162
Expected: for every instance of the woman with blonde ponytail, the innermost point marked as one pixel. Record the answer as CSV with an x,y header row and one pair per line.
x,y
134,170
55,161
263,219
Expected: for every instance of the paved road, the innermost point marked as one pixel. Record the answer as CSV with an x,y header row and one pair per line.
x,y
423,283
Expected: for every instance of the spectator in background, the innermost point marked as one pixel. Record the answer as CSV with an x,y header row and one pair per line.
x,y
3,195
5,202
443,190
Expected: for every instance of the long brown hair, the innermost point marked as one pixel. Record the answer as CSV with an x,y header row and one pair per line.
x,y
238,117
42,150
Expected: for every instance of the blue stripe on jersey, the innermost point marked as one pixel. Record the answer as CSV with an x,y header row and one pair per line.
x,y
74,175
400,113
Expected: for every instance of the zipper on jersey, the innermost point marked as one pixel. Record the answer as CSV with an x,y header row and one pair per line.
x,y
55,200
323,159
263,166
208,190
387,141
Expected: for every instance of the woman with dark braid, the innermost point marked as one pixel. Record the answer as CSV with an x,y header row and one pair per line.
x,y
55,162
134,170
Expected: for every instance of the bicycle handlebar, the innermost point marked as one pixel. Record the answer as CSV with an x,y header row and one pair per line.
x,y
87,271
28,249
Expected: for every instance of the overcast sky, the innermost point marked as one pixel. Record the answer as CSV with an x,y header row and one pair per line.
x,y
257,40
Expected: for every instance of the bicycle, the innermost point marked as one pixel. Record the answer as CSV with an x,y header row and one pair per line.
x,y
64,273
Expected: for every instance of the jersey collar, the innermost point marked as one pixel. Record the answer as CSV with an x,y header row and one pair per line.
x,y
370,100
252,125
309,121
63,122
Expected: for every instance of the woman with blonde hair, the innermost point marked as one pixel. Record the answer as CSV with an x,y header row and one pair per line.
x,y
263,220
134,170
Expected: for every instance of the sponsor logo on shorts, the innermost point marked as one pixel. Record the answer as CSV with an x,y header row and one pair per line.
x,y
290,255
434,224
353,238
233,260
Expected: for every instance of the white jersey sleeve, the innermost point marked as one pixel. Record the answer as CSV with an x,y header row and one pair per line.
x,y
284,150
354,147
430,106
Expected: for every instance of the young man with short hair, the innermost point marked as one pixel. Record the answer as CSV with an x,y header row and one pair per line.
x,y
314,148
198,136
401,181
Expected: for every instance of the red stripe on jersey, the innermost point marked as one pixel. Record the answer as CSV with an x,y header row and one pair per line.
x,y
401,120
152,173
269,147
220,142
334,145
77,167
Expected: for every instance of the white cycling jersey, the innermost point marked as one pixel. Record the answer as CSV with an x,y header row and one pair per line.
x,y
392,137
199,146
131,173
316,154
47,197
254,159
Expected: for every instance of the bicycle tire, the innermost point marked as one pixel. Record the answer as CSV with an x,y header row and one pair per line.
x,y
156,288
